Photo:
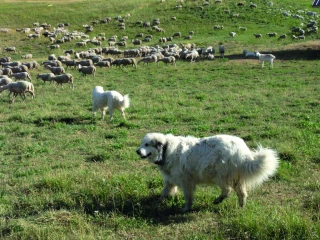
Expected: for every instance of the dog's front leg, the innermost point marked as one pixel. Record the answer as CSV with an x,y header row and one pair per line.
x,y
168,190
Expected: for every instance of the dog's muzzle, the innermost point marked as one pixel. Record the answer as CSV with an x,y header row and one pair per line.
x,y
142,156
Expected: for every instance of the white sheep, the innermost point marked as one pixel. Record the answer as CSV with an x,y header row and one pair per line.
x,y
232,34
108,100
265,57
5,81
21,88
27,56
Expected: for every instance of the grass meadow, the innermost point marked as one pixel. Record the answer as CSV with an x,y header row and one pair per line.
x,y
65,175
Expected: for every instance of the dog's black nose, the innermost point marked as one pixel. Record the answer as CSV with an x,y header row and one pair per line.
x,y
138,151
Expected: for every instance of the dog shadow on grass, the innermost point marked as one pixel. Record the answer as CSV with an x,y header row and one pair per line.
x,y
151,208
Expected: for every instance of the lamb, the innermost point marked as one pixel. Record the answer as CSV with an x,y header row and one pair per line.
x,y
63,78
87,70
55,70
21,88
166,60
110,100
148,59
265,57
45,77
22,76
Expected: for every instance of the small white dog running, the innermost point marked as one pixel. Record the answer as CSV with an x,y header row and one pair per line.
x,y
222,159
103,100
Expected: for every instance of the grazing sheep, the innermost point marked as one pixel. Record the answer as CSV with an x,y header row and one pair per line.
x,y
5,81
5,59
10,49
45,77
283,36
258,35
274,34
55,70
87,62
265,57
193,55
148,59
177,34
87,70
232,34
7,71
108,100
166,60
27,56
21,88
21,76
70,63
103,64
63,78
137,42
221,50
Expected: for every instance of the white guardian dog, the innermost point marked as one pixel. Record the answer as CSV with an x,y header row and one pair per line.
x,y
222,159
110,100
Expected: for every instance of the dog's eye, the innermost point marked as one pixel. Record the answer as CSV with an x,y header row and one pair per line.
x,y
147,144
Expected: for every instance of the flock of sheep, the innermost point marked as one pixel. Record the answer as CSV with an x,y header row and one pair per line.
x,y
87,61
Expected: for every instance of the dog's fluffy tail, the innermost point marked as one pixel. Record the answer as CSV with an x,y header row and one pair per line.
x,y
125,102
263,166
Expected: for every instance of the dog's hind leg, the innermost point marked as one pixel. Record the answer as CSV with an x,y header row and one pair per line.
x,y
241,193
226,189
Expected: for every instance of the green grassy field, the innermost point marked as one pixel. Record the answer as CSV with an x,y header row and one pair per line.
x,y
65,175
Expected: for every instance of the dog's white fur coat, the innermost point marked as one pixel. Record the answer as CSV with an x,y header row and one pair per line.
x,y
222,159
111,100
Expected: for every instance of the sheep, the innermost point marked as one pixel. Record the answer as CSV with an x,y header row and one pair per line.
x,y
103,64
7,71
243,28
63,78
248,54
177,34
193,55
27,56
55,70
87,62
128,61
5,81
232,34
20,68
283,36
210,56
166,60
221,50
265,57
21,88
45,77
108,100
22,76
274,34
137,42
258,35
87,70
69,63
5,59
148,59
10,49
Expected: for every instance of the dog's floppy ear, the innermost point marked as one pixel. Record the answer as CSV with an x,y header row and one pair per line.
x,y
160,159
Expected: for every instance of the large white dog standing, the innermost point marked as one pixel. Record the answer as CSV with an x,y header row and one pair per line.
x,y
222,159
110,100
